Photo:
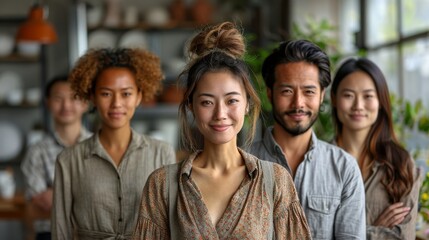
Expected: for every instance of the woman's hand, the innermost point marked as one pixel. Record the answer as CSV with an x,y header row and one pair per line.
x,y
392,215
43,200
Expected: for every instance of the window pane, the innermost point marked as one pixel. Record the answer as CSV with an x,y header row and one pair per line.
x,y
415,16
387,60
349,14
416,70
381,22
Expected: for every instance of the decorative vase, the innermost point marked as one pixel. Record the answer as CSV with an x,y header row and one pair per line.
x,y
131,16
201,11
172,94
113,13
178,11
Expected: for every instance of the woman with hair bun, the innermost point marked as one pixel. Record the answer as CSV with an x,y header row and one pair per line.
x,y
219,191
98,183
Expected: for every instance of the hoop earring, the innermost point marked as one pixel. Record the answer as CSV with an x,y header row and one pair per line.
x,y
322,108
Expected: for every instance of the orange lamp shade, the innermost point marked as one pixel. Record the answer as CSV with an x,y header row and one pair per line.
x,y
36,28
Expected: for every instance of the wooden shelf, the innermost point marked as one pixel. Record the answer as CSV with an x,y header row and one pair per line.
x,y
13,208
148,27
16,58
12,19
25,106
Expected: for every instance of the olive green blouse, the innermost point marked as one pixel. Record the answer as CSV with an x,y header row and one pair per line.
x,y
94,199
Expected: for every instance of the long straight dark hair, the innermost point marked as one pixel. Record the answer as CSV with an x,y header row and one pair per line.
x,y
381,143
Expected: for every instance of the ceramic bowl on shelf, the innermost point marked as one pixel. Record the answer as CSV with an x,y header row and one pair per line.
x,y
33,96
28,49
6,44
134,39
15,97
157,16
102,39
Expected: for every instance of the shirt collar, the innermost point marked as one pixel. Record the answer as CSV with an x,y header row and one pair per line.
x,y
84,134
137,141
269,141
314,142
273,147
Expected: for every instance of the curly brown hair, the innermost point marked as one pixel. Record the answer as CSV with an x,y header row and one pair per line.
x,y
144,65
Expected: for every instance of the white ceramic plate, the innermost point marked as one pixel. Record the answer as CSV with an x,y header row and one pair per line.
x,y
10,141
9,81
102,39
133,39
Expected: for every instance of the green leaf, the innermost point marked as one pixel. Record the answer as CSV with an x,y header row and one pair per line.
x,y
423,124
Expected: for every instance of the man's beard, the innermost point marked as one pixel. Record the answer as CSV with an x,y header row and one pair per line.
x,y
299,128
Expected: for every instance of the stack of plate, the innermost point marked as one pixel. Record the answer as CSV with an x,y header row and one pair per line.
x,y
11,141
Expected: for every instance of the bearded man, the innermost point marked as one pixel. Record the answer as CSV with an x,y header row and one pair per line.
x,y
327,179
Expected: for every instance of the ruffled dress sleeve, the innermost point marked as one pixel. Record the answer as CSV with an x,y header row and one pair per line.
x,y
152,222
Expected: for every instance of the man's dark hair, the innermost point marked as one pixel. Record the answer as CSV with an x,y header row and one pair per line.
x,y
52,82
297,51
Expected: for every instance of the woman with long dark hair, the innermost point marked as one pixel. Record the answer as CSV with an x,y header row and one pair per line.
x,y
362,116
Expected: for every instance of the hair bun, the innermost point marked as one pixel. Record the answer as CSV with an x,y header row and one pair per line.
x,y
223,37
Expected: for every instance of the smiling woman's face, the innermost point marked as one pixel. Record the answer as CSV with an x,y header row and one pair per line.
x,y
219,105
116,97
357,102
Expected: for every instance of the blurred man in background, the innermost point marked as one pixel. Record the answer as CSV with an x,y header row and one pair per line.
x,y
39,163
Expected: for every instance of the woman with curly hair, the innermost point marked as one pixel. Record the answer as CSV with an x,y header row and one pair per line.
x,y
220,191
364,128
98,183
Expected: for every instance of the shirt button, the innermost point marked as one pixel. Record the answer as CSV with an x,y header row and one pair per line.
x,y
120,220
119,198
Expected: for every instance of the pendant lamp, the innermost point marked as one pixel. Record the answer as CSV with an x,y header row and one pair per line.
x,y
36,28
